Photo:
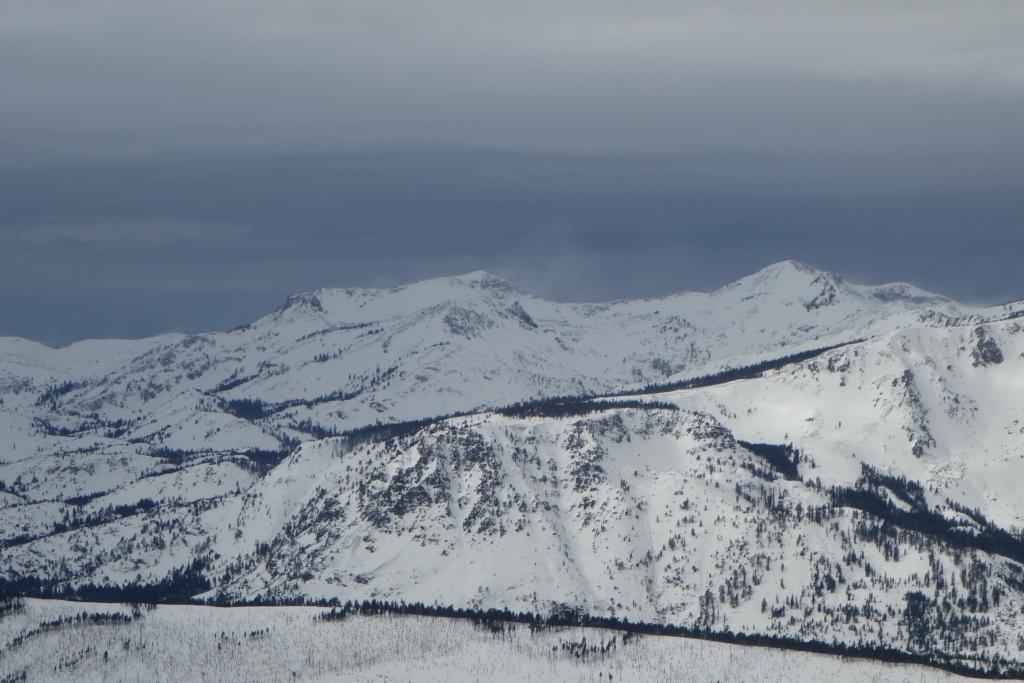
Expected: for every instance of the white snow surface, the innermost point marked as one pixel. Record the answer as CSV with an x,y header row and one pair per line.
x,y
658,513
257,644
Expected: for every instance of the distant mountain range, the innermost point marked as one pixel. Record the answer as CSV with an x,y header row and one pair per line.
x,y
791,455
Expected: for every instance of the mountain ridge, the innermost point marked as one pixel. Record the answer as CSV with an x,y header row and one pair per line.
x,y
486,281
853,471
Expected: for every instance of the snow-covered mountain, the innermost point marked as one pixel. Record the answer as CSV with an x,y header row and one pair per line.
x,y
857,482
332,360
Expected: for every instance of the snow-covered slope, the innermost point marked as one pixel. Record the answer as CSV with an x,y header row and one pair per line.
x,y
50,641
865,494
900,485
332,360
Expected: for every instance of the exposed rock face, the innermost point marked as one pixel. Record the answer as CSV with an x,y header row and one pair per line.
x,y
307,301
827,295
986,351
467,323
916,426
517,311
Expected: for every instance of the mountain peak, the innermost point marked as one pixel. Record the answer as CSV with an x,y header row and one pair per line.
x,y
482,279
477,279
786,278
789,268
815,289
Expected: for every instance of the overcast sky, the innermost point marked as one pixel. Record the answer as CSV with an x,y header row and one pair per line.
x,y
186,165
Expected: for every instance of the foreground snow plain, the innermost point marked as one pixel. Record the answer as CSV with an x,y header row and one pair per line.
x,y
192,643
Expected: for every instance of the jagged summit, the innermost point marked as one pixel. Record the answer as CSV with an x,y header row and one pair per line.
x,y
787,270
895,291
790,267
483,280
786,280
475,283
818,289
477,279
307,301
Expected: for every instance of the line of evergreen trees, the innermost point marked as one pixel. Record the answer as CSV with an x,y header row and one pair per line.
x,y
178,587
732,374
578,407
555,406
261,460
52,393
176,591
989,539
253,409
75,520
493,619
784,459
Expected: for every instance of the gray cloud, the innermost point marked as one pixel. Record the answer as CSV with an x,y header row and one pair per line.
x,y
120,233
187,165
127,79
